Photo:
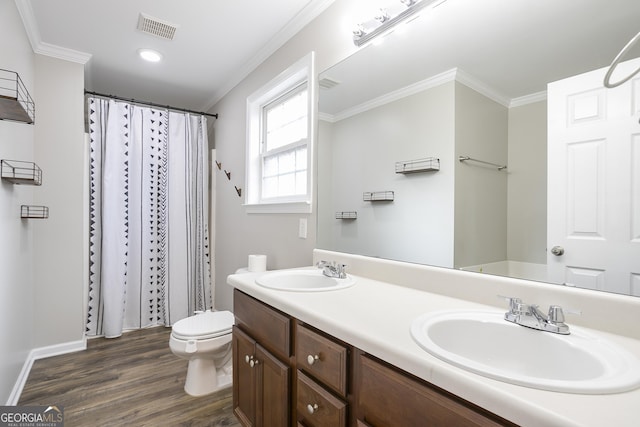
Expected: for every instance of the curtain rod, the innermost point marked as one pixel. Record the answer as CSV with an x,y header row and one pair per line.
x,y
152,104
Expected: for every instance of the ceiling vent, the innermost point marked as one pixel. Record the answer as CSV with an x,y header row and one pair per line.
x,y
156,27
327,83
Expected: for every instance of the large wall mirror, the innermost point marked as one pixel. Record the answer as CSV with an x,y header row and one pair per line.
x,y
462,97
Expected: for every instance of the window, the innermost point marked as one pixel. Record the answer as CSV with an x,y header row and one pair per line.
x,y
284,146
279,142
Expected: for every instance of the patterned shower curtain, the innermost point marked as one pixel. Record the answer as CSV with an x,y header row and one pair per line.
x,y
149,254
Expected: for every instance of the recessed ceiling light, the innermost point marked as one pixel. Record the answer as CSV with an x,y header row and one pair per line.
x,y
150,55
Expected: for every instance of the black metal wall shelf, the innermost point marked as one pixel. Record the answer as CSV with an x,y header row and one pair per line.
x,y
378,196
15,102
347,215
34,212
21,173
429,164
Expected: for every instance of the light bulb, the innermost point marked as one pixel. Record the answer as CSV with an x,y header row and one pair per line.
x,y
150,55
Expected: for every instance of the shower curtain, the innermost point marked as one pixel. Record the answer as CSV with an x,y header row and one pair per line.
x,y
149,254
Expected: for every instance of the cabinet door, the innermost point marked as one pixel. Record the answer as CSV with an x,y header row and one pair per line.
x,y
244,378
269,327
272,390
388,398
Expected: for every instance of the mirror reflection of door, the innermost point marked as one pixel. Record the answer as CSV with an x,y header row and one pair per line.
x,y
594,182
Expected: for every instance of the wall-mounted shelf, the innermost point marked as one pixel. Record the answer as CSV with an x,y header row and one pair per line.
x,y
378,196
347,215
34,212
19,172
429,164
15,102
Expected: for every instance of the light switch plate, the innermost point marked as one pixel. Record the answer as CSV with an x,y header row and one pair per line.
x,y
302,228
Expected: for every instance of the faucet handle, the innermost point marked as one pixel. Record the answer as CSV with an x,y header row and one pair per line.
x,y
556,315
515,304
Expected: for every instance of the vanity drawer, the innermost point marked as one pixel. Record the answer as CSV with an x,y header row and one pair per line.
x,y
316,407
269,327
322,358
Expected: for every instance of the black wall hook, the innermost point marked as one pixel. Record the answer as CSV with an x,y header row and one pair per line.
x,y
228,175
239,191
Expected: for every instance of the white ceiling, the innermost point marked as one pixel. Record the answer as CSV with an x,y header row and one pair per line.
x,y
514,47
217,43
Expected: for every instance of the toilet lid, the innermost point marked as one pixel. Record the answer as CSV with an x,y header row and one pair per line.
x,y
205,325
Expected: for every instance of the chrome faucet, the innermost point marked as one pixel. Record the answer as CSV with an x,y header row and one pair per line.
x,y
531,316
333,269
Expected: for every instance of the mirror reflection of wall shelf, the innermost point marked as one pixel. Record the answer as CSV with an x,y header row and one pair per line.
x,y
21,173
471,159
34,212
15,102
429,164
378,196
347,215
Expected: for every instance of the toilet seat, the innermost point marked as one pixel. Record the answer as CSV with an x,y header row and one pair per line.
x,y
210,324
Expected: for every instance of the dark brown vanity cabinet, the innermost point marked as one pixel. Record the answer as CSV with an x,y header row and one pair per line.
x,y
288,373
261,370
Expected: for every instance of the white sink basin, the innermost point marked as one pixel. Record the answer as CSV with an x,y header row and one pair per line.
x,y
311,280
484,343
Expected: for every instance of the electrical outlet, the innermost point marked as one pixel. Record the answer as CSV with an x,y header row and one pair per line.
x,y
302,228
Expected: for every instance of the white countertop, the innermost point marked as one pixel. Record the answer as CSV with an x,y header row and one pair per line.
x,y
376,317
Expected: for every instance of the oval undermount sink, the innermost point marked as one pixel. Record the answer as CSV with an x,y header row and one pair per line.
x,y
311,280
484,343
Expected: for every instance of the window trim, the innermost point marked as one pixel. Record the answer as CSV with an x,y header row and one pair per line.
x,y
303,71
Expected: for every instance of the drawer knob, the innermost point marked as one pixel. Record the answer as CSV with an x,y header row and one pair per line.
x,y
312,408
311,359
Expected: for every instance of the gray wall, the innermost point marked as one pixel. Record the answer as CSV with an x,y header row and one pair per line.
x,y
17,287
361,154
42,262
60,248
527,187
480,191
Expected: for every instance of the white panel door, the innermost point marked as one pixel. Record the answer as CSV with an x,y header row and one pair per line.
x,y
594,182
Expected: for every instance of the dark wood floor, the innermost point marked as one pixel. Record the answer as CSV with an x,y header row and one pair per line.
x,y
133,380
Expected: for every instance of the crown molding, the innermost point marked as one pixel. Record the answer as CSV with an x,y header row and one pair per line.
x,y
481,87
454,74
528,99
31,27
62,53
302,19
412,89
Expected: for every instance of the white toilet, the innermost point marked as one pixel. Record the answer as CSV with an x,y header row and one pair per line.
x,y
205,340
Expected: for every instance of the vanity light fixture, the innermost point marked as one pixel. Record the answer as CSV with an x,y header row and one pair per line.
x,y
150,55
388,17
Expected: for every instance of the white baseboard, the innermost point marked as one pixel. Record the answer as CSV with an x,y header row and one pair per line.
x,y
42,353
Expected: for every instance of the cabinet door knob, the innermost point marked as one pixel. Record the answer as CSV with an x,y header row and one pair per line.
x,y
253,362
312,408
247,358
311,359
